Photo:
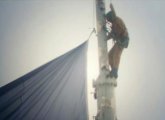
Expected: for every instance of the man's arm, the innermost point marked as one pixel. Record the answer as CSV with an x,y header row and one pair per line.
x,y
113,10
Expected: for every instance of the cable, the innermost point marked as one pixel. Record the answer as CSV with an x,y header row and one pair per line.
x,y
93,31
93,21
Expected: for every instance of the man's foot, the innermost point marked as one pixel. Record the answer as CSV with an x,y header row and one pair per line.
x,y
114,73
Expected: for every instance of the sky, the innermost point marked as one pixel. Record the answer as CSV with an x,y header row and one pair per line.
x,y
33,32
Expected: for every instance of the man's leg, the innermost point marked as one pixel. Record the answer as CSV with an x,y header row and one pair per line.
x,y
111,57
117,55
114,59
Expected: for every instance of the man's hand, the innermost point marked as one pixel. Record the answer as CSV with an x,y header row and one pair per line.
x,y
112,9
111,6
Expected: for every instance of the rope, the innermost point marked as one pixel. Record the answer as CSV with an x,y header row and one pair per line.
x,y
93,31
93,20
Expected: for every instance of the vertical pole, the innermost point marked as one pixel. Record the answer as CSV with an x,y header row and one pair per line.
x,y
104,85
101,34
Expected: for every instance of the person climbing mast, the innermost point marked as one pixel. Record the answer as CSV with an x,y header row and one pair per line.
x,y
120,36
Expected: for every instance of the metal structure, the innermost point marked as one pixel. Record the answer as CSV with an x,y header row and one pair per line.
x,y
104,85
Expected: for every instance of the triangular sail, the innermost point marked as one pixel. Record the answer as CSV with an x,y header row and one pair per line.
x,y
54,91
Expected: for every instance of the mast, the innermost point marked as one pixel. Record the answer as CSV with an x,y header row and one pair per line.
x,y
104,85
101,33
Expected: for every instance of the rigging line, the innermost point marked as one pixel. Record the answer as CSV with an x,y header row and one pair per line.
x,y
93,31
93,14
93,20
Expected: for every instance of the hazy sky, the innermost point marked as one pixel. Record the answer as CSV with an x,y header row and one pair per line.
x,y
33,32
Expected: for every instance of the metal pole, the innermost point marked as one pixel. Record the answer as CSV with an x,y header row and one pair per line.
x,y
104,85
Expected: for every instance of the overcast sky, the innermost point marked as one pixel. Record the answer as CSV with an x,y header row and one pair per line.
x,y
33,32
